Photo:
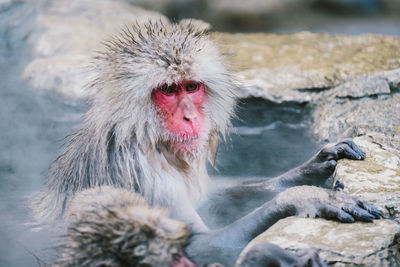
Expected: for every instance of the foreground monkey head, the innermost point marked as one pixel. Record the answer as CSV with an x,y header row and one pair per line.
x,y
113,227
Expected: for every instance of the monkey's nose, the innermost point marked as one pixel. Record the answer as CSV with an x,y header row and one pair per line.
x,y
186,119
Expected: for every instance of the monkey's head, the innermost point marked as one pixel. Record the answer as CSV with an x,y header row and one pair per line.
x,y
115,227
164,84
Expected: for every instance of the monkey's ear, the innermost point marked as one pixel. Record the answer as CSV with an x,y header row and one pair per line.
x,y
213,145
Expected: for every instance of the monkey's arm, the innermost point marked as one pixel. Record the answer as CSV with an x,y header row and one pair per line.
x,y
313,172
305,201
250,194
319,168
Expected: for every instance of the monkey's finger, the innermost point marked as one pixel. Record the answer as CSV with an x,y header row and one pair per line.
x,y
315,261
353,146
370,208
311,259
330,165
345,151
358,213
332,213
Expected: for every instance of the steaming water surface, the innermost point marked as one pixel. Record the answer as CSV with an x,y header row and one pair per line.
x,y
32,127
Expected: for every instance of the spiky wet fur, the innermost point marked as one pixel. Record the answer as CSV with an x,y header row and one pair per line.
x,y
114,227
123,141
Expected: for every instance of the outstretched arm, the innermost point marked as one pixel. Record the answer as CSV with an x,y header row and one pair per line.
x,y
306,201
250,194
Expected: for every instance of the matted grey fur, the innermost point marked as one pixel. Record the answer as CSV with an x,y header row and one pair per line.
x,y
123,141
114,227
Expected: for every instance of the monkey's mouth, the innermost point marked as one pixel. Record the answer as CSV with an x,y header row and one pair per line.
x,y
189,143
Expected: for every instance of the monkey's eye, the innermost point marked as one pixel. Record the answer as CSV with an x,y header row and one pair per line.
x,y
169,89
191,87
176,257
140,250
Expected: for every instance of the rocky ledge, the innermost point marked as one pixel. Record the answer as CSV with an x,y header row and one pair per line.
x,y
352,84
353,87
376,179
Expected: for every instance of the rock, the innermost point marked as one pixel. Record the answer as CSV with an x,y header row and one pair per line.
x,y
66,36
364,85
292,67
375,179
339,115
357,244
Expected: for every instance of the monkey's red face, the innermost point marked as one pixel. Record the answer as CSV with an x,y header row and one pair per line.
x,y
181,107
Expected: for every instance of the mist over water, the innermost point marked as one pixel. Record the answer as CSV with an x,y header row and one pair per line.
x,y
268,140
32,128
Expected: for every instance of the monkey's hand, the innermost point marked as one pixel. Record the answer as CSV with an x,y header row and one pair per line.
x,y
323,164
311,201
319,168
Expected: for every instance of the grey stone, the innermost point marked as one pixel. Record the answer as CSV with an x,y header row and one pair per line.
x,y
295,67
363,86
336,118
357,244
375,179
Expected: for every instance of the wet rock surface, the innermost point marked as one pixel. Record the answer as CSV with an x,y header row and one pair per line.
x,y
336,118
377,178
358,244
293,67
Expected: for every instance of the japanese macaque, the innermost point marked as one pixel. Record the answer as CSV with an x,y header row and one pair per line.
x,y
113,227
162,98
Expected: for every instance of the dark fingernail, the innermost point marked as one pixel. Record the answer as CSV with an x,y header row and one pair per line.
x,y
377,213
367,218
347,218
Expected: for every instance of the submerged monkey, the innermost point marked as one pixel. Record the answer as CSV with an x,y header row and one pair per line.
x,y
113,227
162,97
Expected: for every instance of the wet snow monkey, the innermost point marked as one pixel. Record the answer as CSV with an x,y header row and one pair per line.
x,y
162,100
110,226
